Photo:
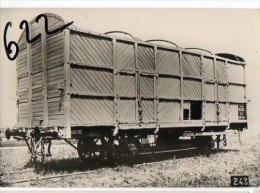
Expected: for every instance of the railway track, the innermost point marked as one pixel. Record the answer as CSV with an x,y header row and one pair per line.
x,y
151,156
72,174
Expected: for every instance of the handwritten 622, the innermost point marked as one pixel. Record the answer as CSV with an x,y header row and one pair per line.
x,y
24,23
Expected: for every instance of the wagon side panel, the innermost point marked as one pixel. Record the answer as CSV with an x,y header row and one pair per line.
x,y
125,59
169,85
91,80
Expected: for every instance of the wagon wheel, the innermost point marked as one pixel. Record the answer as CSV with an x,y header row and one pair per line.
x,y
134,146
90,148
112,148
165,139
205,142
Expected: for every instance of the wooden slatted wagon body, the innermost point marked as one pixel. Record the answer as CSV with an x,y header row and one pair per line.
x,y
79,83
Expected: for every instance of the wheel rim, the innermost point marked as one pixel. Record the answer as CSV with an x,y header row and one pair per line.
x,y
90,148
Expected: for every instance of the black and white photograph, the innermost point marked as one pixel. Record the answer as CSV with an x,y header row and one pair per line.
x,y
129,98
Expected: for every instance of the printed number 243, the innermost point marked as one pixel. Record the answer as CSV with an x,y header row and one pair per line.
x,y
239,181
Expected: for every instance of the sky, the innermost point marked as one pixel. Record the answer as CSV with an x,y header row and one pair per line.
x,y
235,31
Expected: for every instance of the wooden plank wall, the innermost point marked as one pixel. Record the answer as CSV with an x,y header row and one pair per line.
x,y
40,75
22,87
37,79
125,60
91,87
237,84
215,90
155,70
55,75
119,81
106,70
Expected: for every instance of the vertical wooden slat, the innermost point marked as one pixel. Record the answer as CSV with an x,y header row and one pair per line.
x,y
181,86
203,87
44,71
67,68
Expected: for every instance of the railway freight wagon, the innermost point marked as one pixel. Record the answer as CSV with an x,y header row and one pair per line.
x,y
120,94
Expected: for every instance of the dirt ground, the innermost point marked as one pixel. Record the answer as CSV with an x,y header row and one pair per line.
x,y
197,169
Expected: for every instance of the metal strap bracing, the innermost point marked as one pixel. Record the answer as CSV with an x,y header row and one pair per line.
x,y
181,87
116,88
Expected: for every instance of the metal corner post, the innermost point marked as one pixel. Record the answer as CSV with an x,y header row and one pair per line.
x,y
136,83
67,69
29,67
156,83
203,88
115,87
181,86
227,93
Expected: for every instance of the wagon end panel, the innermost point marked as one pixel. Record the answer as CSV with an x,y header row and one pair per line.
x,y
237,95
40,75
91,81
23,119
